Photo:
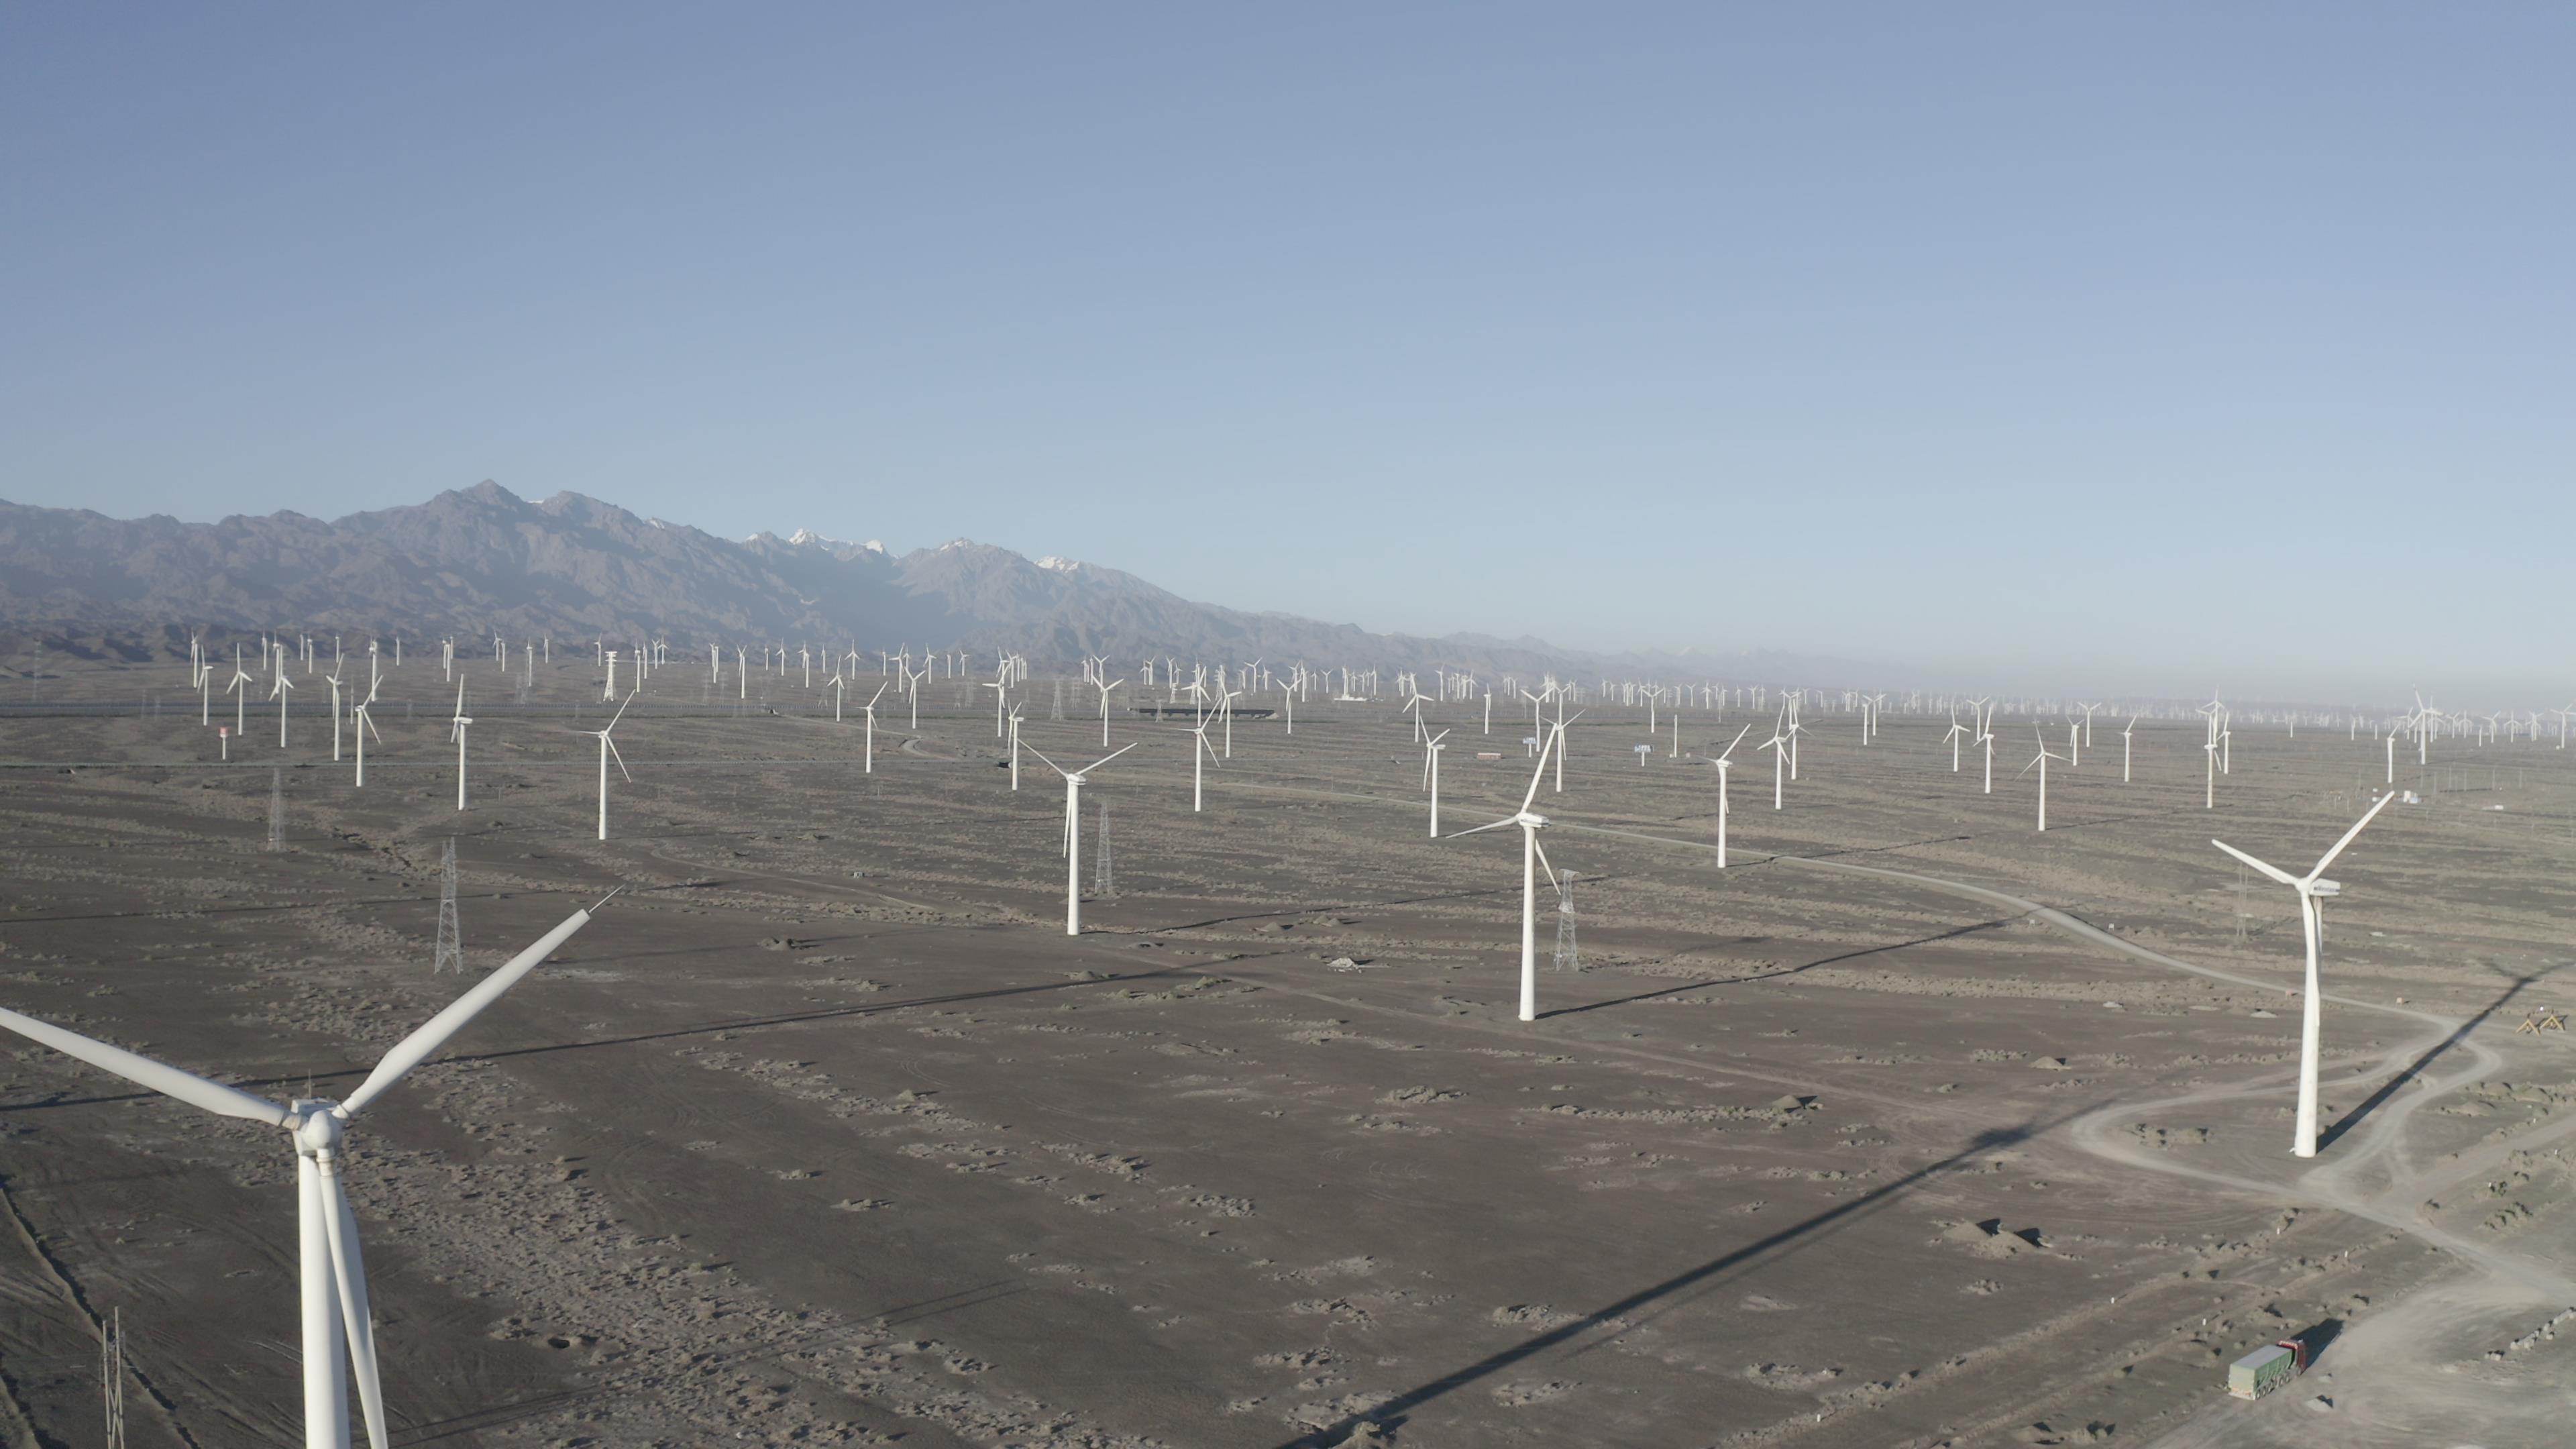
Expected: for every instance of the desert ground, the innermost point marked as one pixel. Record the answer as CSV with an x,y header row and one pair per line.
x,y
1911,1126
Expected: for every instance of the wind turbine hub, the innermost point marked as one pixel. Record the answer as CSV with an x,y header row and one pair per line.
x,y
2326,888
1532,821
318,1126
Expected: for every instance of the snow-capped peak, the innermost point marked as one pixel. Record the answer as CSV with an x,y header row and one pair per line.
x,y
806,535
961,541
1060,565
873,546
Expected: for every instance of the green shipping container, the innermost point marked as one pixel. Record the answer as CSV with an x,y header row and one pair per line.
x,y
2260,1372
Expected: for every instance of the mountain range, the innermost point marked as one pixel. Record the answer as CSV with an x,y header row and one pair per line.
x,y
482,561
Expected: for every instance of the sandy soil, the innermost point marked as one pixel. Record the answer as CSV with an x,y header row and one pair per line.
x,y
1911,1127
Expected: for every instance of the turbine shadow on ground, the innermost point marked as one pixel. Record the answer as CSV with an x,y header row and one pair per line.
x,y
1391,1413
2415,1069
1664,991
750,1023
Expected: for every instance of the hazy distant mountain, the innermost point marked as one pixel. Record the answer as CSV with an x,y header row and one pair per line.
x,y
482,561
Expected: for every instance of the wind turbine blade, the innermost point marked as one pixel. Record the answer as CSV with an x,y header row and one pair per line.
x,y
1731,744
2349,834
1541,772
1042,759
2283,876
1541,851
612,754
416,1048
349,1275
621,714
1481,829
880,694
1113,754
161,1077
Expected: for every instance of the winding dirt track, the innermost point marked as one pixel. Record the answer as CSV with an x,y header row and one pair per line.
x,y
2368,1179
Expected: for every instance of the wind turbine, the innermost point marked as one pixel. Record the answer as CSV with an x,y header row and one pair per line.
x,y
365,726
1200,753
1073,829
2124,748
868,760
1431,777
333,1274
1532,859
333,679
1105,686
2041,761
1721,763
1957,731
1778,745
607,748
277,690
2311,887
456,728
839,686
241,699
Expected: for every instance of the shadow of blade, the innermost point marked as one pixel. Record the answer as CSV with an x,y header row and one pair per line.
x,y
748,1023
1986,1141
1663,991
2415,1069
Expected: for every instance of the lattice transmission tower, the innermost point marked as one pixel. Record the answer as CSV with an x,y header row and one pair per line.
x,y
451,943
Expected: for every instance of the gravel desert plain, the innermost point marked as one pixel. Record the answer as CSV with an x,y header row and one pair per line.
x,y
1909,1127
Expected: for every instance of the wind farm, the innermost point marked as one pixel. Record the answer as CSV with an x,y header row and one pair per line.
x,y
1263,1109
1274,728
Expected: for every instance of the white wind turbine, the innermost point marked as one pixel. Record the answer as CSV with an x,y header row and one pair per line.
x,y
1957,732
607,748
1073,830
277,690
2124,748
1778,745
839,686
456,728
1200,753
1721,763
1532,860
1105,686
365,726
2311,888
241,698
868,760
332,1272
2041,761
333,679
1431,777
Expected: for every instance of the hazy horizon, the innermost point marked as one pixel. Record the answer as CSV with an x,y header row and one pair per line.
x,y
2146,350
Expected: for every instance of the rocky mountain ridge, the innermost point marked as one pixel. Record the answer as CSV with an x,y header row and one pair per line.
x,y
482,561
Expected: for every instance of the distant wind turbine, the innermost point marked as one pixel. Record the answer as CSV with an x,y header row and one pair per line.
x,y
2041,761
1532,860
1073,830
608,749
456,728
2311,888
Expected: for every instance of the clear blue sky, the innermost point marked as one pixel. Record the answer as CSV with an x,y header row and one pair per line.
x,y
2154,347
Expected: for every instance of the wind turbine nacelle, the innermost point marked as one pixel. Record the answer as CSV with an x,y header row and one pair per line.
x,y
2326,888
